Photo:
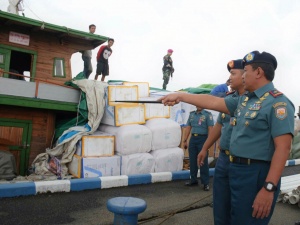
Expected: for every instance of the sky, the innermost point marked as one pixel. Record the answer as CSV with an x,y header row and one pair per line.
x,y
205,36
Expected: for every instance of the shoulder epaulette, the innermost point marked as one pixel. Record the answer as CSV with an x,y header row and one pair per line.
x,y
229,93
275,93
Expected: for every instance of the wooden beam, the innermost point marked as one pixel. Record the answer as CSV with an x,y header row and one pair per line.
x,y
37,103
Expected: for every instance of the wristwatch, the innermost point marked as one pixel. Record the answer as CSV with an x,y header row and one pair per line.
x,y
269,186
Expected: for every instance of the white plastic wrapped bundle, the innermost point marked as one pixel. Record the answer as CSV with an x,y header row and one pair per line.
x,y
138,163
166,133
130,139
168,160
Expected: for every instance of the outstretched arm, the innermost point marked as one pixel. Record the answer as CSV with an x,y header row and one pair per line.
x,y
204,101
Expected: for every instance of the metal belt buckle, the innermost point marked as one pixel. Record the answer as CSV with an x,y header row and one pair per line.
x,y
195,135
248,161
227,152
231,158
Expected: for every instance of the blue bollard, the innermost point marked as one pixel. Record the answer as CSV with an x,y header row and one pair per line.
x,y
126,209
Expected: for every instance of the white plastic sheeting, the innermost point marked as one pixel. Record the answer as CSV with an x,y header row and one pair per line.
x,y
95,92
166,133
130,139
138,163
168,160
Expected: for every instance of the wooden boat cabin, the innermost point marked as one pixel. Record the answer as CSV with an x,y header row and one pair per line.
x,y
35,62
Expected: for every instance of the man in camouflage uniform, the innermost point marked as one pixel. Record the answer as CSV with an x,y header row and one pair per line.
x,y
167,69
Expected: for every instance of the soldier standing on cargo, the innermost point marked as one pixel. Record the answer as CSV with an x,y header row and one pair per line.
x,y
87,56
199,124
221,189
102,59
263,127
168,68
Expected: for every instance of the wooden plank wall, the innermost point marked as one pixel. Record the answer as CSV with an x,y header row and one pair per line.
x,y
48,46
43,124
11,136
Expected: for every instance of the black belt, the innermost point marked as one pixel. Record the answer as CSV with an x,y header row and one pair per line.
x,y
241,160
195,135
227,152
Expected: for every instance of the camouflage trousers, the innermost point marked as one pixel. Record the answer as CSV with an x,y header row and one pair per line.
x,y
166,78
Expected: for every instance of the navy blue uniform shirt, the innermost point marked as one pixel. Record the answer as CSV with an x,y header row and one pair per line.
x,y
258,118
200,121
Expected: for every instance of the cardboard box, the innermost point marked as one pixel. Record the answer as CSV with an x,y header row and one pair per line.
x,y
122,114
96,145
82,167
179,112
120,92
154,110
143,88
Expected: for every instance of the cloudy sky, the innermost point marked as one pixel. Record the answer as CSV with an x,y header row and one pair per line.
x,y
204,35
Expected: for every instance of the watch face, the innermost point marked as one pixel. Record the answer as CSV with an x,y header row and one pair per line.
x,y
269,186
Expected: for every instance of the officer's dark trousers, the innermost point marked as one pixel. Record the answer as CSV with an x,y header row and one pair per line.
x,y
245,182
195,147
221,191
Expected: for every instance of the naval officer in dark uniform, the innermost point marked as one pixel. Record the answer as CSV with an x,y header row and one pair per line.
x,y
222,129
263,126
199,125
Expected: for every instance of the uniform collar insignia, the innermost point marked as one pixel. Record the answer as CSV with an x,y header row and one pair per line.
x,y
275,93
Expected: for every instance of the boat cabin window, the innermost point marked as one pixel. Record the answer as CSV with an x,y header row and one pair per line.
x,y
59,67
20,62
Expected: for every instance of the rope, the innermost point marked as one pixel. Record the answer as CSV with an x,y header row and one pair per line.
x,y
33,12
172,213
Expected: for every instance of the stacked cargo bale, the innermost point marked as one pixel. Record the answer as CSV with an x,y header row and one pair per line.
x,y
124,121
147,136
164,123
118,114
134,139
166,136
94,157
133,144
